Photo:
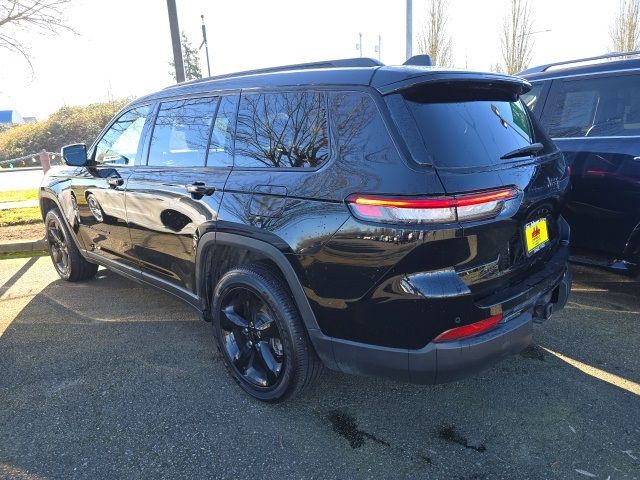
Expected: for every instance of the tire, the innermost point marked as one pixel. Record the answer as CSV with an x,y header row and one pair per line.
x,y
66,258
255,296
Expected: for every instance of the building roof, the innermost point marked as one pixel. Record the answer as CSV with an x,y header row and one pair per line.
x,y
10,116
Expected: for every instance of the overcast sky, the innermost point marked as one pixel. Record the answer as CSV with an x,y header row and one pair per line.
x,y
122,47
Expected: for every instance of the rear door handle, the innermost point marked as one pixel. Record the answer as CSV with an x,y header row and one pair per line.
x,y
199,188
637,159
115,181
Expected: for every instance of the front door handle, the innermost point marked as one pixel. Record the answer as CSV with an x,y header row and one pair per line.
x,y
637,159
200,189
115,181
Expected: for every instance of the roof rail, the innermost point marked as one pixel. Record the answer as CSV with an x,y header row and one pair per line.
x,y
544,68
339,63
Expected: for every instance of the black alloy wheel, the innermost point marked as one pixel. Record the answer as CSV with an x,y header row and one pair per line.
x,y
251,338
58,245
261,337
67,259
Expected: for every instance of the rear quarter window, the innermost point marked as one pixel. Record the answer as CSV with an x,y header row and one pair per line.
x,y
362,134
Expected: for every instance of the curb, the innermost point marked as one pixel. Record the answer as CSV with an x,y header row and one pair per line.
x,y
15,246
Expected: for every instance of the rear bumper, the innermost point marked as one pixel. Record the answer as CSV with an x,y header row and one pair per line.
x,y
448,361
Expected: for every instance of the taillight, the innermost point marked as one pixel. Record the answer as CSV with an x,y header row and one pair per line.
x,y
470,330
413,210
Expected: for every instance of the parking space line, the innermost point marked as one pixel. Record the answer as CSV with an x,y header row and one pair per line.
x,y
581,306
610,378
578,289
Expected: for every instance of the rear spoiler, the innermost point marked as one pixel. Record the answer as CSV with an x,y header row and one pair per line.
x,y
386,84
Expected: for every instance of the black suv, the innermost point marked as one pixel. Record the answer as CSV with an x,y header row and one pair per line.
x,y
591,108
400,221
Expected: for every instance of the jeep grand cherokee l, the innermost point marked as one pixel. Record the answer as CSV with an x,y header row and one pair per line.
x,y
389,220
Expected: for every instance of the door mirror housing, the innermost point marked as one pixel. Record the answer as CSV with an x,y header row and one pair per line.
x,y
75,155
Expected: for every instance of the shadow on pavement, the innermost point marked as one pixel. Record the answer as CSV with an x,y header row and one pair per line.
x,y
111,379
17,275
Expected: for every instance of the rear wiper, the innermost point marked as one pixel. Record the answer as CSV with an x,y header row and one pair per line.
x,y
523,152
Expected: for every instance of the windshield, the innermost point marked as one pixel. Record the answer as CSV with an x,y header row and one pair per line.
x,y
470,127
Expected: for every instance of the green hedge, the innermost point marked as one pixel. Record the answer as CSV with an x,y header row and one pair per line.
x,y
67,125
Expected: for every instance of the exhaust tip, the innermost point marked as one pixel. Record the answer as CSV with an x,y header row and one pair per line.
x,y
542,312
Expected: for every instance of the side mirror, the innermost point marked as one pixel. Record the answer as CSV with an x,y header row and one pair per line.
x,y
75,155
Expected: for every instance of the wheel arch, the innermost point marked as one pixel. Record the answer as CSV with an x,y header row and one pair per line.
x,y
49,200
218,252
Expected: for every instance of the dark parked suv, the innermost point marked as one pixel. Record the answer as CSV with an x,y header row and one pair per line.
x,y
591,108
400,221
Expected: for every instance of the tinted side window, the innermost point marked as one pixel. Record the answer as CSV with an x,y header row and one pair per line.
x,y
181,133
531,97
221,146
282,130
594,107
362,134
119,145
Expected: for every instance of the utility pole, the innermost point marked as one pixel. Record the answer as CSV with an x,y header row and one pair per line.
x,y
409,29
359,44
206,44
175,40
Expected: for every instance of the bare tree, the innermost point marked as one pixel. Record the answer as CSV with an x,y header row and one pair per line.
x,y
625,32
18,17
433,39
516,42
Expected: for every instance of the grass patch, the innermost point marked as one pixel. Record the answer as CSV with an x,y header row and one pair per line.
x,y
20,216
37,253
18,195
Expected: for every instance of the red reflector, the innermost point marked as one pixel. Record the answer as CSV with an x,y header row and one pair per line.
x,y
469,330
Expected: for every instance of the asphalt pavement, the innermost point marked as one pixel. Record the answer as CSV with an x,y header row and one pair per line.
x,y
110,379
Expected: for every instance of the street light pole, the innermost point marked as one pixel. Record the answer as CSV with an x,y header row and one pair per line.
x,y
379,47
175,40
206,44
409,29
359,45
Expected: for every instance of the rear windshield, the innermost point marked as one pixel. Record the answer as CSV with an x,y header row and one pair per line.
x,y
469,127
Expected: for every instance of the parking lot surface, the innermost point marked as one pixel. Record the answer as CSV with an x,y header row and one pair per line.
x,y
110,379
